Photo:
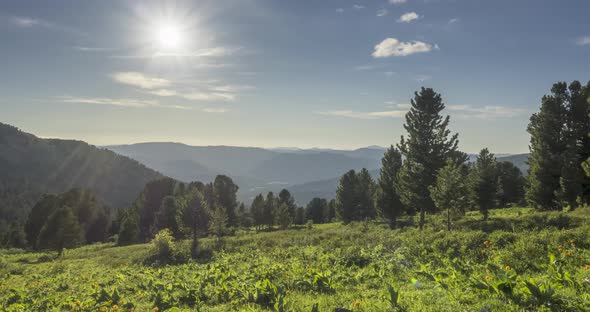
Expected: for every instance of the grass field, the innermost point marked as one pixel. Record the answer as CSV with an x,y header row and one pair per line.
x,y
519,260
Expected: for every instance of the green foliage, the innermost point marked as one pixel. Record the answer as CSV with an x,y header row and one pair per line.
x,y
61,230
426,149
559,144
283,218
355,196
225,191
315,210
510,184
354,267
450,191
484,182
388,203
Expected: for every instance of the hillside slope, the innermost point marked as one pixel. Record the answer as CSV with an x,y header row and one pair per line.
x,y
31,166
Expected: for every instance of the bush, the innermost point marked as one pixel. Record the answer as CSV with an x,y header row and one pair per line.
x,y
164,250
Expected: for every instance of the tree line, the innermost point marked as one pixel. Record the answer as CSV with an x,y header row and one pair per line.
x,y
424,173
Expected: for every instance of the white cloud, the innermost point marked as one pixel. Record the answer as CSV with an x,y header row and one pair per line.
x,y
28,22
453,21
122,102
215,110
393,104
365,115
358,7
140,80
208,96
215,52
92,49
382,12
583,40
393,47
422,78
339,10
485,112
163,92
408,17
397,1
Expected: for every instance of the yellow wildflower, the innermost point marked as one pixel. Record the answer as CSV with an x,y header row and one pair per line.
x,y
508,268
103,309
155,309
488,278
568,252
115,308
356,304
587,267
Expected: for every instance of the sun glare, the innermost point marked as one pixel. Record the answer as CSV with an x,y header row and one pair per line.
x,y
169,36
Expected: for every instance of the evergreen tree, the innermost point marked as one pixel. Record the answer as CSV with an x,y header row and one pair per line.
x,y
218,223
225,194
257,211
286,198
283,219
46,205
330,212
129,232
365,193
346,197
148,204
196,216
547,148
510,184
170,216
300,216
268,212
61,230
450,191
389,205
315,210
484,182
426,148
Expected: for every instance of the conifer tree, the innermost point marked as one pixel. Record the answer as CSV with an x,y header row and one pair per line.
x,y
389,205
268,212
225,191
61,230
283,219
346,197
484,182
426,148
450,191
365,193
257,211
286,198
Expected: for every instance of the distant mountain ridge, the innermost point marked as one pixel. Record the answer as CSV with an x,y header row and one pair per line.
x,y
31,166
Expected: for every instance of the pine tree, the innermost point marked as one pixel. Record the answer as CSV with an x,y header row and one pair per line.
x,y
300,216
330,212
286,198
346,197
426,149
547,148
268,212
283,219
218,223
226,197
365,193
510,184
450,191
196,216
170,216
61,230
484,182
257,211
315,210
389,205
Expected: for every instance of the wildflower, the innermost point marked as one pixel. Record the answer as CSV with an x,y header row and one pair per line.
x,y
508,268
356,304
488,278
77,302
587,267
155,309
568,252
115,308
103,309
488,271
560,248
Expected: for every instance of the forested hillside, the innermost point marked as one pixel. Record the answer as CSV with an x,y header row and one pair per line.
x,y
31,166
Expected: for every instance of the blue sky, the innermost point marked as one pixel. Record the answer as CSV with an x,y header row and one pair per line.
x,y
331,73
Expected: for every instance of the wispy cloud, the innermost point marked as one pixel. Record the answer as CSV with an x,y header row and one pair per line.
x,y
397,1
92,49
408,17
31,22
382,12
453,21
394,47
394,104
196,90
583,40
339,10
484,112
365,115
358,7
122,102
214,52
215,110
140,80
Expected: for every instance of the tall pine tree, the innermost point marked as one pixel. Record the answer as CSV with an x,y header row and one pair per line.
x,y
484,182
427,147
389,205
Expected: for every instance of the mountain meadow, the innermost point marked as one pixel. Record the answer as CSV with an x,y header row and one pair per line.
x,y
417,226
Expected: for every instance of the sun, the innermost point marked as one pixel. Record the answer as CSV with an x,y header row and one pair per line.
x,y
169,36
